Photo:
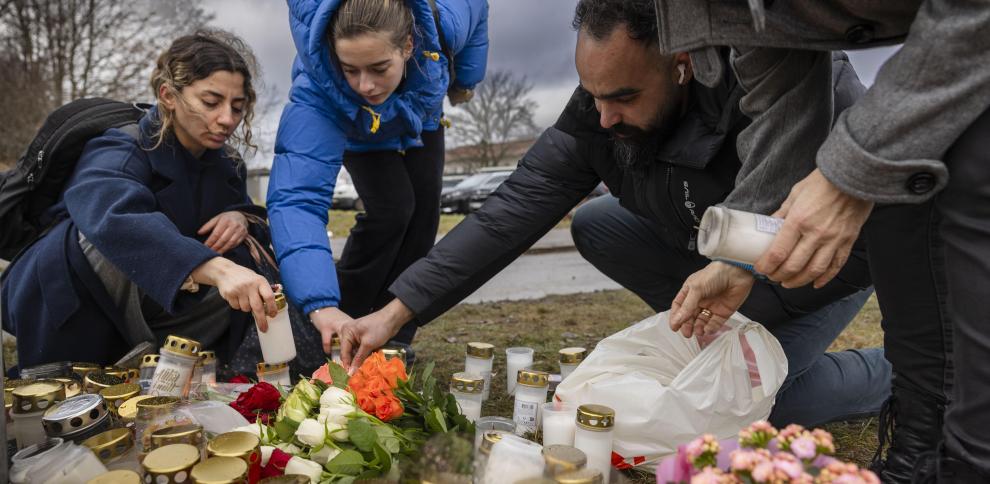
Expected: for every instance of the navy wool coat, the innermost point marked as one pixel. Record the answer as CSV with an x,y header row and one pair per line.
x,y
141,209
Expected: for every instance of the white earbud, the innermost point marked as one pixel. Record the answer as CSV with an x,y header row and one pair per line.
x,y
681,68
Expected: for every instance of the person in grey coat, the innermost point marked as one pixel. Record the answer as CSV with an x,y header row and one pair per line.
x,y
910,155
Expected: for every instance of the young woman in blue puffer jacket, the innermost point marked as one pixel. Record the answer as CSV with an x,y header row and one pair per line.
x,y
367,93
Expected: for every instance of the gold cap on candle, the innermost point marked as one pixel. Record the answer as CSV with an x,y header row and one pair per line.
x,y
533,378
583,476
118,394
220,470
234,444
82,368
72,386
488,441
572,356
280,302
96,381
191,434
37,396
164,464
120,476
465,382
181,346
10,385
110,444
480,350
208,356
561,459
389,353
116,371
595,417
271,367
128,410
149,361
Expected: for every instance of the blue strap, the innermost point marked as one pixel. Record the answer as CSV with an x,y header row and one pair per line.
x,y
748,267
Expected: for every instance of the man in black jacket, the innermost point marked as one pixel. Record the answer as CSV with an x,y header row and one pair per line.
x,y
665,147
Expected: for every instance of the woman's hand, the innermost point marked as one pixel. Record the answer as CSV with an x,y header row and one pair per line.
x,y
719,288
329,322
227,230
458,95
242,288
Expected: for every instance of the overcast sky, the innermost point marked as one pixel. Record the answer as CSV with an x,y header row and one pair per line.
x,y
528,37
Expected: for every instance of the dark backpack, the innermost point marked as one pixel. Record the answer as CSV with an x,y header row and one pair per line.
x,y
37,181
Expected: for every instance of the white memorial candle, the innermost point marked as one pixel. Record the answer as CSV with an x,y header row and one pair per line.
x,y
478,360
277,344
593,435
559,422
516,358
735,235
570,358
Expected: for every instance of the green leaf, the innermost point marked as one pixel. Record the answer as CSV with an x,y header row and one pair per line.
x,y
285,429
362,434
384,458
387,439
348,462
338,374
435,421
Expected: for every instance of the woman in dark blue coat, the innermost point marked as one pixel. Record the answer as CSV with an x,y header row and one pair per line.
x,y
154,237
367,93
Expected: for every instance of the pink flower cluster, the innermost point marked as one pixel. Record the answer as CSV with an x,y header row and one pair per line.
x,y
792,455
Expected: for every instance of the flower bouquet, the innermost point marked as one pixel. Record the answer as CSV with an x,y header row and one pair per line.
x,y
762,454
337,429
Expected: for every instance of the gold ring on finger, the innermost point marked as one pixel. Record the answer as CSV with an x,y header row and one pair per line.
x,y
705,312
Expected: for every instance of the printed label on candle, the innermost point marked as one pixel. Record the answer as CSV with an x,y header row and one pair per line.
x,y
768,225
525,414
167,382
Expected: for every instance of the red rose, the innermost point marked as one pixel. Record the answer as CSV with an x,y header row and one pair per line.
x,y
261,400
240,379
276,464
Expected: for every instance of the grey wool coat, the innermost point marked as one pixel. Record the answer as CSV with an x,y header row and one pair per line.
x,y
888,146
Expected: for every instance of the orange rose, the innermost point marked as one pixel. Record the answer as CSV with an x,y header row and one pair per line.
x,y
388,407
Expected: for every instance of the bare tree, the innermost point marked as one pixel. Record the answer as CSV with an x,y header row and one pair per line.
x,y
500,112
85,48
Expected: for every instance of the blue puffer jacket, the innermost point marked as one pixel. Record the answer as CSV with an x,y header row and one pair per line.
x,y
325,116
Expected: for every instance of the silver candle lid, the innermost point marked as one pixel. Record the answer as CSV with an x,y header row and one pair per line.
x,y
75,415
61,369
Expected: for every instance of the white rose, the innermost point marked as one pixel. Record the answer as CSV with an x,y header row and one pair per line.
x,y
337,432
336,396
289,448
308,468
266,453
337,414
311,432
324,455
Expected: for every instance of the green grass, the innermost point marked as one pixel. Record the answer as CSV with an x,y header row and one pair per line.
x,y
582,320
342,221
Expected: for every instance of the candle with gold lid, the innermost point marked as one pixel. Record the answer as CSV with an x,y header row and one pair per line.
x,y
82,369
570,358
170,464
277,344
220,470
243,445
116,371
116,395
478,359
561,459
531,394
173,374
116,449
583,476
209,359
128,410
276,374
30,403
390,352
593,435
96,381
10,384
153,414
72,386
77,418
119,476
191,434
147,368
467,389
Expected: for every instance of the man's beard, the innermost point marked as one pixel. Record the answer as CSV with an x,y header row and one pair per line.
x,y
637,147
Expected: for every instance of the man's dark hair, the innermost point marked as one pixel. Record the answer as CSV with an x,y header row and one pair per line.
x,y
600,17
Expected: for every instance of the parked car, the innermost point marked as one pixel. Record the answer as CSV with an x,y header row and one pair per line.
x,y
480,194
345,195
458,199
451,181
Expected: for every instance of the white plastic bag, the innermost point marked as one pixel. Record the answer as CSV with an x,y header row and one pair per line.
x,y
666,390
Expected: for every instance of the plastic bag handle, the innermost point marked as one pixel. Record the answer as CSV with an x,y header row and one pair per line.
x,y
764,362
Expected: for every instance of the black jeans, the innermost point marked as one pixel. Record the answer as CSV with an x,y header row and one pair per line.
x,y
644,257
965,209
401,197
